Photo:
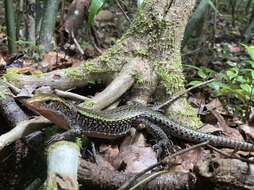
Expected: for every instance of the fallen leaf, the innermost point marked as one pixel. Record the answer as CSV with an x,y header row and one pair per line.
x,y
248,131
210,129
109,152
190,159
134,156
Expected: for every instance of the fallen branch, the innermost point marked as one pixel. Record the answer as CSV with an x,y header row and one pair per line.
x,y
22,129
93,175
9,109
232,156
226,173
167,160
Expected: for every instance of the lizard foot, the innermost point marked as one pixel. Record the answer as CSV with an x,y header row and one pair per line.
x,y
55,138
68,135
163,147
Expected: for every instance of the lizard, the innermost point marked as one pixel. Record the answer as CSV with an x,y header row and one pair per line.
x,y
118,122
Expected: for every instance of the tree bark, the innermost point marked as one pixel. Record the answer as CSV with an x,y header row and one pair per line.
x,y
11,26
48,25
149,52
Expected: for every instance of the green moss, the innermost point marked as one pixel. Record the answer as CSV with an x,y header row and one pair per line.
x,y
186,116
50,186
138,78
141,52
88,67
4,93
78,142
11,74
172,81
73,72
113,53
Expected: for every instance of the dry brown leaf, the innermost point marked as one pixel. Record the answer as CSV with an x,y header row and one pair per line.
x,y
230,132
248,130
134,155
215,104
110,152
24,70
55,60
190,159
210,129
2,61
198,99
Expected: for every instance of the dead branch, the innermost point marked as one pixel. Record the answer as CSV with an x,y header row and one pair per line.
x,y
22,129
227,173
12,113
93,175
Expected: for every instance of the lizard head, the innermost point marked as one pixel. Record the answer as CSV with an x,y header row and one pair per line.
x,y
52,107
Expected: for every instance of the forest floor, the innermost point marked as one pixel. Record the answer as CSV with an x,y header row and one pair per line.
x,y
212,53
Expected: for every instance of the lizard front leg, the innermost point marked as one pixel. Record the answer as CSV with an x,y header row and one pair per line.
x,y
68,135
163,144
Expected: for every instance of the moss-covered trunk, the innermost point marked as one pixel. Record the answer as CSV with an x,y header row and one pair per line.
x,y
149,53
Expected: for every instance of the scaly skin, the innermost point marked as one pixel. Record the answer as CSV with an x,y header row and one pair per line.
x,y
118,122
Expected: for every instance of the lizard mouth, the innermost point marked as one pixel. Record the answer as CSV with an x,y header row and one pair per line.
x,y
55,116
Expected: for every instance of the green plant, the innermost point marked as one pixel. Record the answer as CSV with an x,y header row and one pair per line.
x,y
95,7
235,82
93,10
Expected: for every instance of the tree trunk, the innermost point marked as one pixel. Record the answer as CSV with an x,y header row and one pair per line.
x,y
146,58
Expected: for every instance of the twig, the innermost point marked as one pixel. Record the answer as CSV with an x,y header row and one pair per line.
x,y
178,95
165,160
148,178
230,156
70,95
95,41
81,51
58,92
121,8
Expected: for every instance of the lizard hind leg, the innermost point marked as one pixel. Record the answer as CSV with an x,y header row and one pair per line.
x,y
163,143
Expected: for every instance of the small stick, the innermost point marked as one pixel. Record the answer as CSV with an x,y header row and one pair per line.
x,y
230,156
71,95
120,7
165,160
148,178
178,95
81,51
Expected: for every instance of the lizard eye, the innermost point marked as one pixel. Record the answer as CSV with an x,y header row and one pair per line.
x,y
47,102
